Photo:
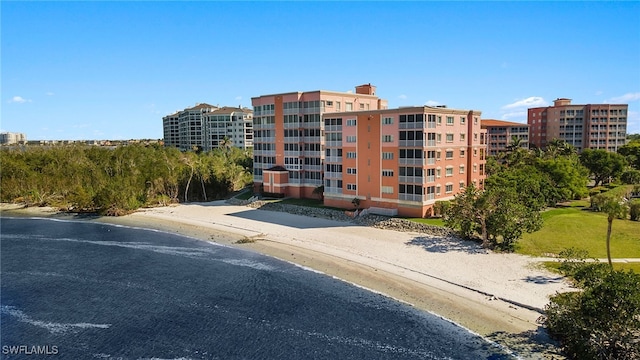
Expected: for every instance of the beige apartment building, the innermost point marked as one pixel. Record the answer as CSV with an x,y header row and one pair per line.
x,y
205,126
501,134
590,126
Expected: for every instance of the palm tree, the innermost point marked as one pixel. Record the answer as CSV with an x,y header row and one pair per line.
x,y
615,208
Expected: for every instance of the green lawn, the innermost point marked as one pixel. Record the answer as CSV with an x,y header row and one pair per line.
x,y
583,229
553,266
432,221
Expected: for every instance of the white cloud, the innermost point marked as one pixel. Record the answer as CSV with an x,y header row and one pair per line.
x,y
532,101
49,93
515,115
19,100
432,103
238,98
628,97
402,96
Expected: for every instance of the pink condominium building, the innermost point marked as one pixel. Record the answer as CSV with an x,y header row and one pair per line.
x,y
394,161
590,126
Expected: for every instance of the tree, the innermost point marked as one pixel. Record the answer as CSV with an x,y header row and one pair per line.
x,y
498,216
319,191
602,164
631,152
603,320
616,208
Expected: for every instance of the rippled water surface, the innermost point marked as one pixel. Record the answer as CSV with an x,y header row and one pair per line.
x,y
96,291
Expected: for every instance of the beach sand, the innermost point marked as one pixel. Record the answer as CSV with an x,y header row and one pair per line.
x,y
499,296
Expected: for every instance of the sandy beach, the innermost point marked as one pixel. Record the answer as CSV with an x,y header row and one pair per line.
x,y
499,296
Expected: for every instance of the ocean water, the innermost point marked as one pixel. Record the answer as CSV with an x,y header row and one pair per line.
x,y
85,290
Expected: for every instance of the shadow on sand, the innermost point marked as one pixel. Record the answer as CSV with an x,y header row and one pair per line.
x,y
447,244
539,279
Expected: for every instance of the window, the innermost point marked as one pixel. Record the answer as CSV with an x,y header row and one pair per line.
x,y
329,103
351,122
462,137
351,154
387,121
361,106
387,156
351,138
387,172
449,137
437,190
439,120
439,138
337,105
387,138
461,185
462,120
348,106
438,173
448,188
351,186
475,168
387,189
461,169
449,171
461,152
351,171
449,120
449,154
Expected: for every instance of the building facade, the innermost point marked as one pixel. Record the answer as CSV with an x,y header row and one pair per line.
x,y
9,138
288,131
394,161
501,134
228,126
590,126
207,127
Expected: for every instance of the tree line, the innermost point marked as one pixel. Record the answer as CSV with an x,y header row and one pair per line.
x,y
115,181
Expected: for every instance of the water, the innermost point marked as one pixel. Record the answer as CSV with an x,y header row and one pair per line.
x,y
94,291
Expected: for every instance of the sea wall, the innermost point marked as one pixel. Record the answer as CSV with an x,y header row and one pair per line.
x,y
377,221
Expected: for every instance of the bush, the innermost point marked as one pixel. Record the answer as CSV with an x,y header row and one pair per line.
x,y
601,322
440,207
634,209
631,177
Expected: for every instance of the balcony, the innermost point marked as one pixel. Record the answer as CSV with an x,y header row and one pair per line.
x,y
411,143
403,161
411,197
410,179
411,125
333,175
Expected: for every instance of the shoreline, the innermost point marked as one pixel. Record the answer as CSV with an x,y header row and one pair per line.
x,y
384,261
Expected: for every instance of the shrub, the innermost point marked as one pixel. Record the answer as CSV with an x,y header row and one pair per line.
x,y
601,322
440,207
634,209
631,177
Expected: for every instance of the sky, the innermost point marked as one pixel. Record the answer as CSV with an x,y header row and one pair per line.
x,y
112,70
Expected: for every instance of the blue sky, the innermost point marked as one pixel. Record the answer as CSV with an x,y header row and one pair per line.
x,y
111,70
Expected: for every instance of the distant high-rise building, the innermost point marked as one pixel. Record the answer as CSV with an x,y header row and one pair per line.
x,y
9,138
205,127
394,161
590,126
501,134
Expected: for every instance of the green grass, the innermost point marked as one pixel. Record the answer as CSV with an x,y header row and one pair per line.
x,y
245,195
431,221
573,226
554,266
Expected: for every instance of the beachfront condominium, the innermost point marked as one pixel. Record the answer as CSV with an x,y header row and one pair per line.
x,y
501,135
590,126
393,161
206,127
288,131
